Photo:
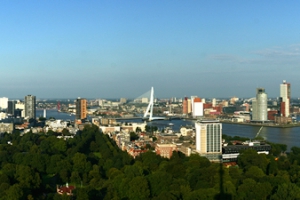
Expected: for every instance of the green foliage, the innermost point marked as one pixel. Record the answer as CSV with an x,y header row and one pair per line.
x,y
250,158
35,164
42,119
138,188
133,136
151,128
287,191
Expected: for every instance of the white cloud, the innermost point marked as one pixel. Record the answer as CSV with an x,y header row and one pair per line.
x,y
273,56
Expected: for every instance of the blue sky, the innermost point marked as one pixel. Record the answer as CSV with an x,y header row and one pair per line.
x,y
112,49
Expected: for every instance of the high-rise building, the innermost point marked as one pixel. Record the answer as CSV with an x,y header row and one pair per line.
x,y
189,106
20,109
260,106
185,106
11,106
3,102
209,139
192,102
81,108
197,107
30,103
285,96
214,102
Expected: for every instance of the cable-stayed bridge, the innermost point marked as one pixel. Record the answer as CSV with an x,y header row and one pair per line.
x,y
149,110
148,97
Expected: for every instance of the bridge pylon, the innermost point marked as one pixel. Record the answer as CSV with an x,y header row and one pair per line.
x,y
150,106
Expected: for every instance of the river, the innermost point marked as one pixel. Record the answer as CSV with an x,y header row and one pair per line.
x,y
288,136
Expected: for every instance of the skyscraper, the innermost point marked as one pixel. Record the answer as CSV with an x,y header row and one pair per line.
x,y
285,96
81,111
209,139
260,105
185,106
11,106
30,102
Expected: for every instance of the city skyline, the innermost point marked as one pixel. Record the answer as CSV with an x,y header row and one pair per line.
x,y
113,49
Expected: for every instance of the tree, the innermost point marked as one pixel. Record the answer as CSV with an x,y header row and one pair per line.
x,y
81,193
133,136
75,177
65,132
138,129
138,188
159,181
42,119
203,194
250,189
287,191
27,178
80,163
255,173
15,192
250,158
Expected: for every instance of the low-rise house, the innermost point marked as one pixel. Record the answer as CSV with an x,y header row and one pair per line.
x,y
135,152
110,129
68,189
55,125
6,127
165,150
185,131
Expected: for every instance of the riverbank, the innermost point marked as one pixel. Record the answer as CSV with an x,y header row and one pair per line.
x,y
262,124
253,124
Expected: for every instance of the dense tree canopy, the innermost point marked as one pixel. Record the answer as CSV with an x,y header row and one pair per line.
x,y
36,164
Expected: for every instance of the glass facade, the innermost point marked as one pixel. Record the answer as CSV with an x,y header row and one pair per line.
x,y
213,139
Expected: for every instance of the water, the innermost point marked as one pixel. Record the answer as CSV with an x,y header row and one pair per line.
x,y
288,136
55,114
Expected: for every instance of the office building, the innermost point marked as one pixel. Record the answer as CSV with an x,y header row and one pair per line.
x,y
11,106
285,96
185,106
209,139
30,109
192,102
189,106
198,107
260,106
230,153
81,108
3,103
20,109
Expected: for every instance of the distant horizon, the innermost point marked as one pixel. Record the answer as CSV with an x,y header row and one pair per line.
x,y
65,99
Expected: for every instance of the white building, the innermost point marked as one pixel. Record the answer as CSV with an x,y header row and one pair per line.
x,y
209,139
214,102
20,105
56,125
6,127
197,109
145,100
285,96
3,115
3,102
259,106
192,102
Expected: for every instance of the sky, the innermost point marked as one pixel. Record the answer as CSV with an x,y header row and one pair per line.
x,y
117,48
